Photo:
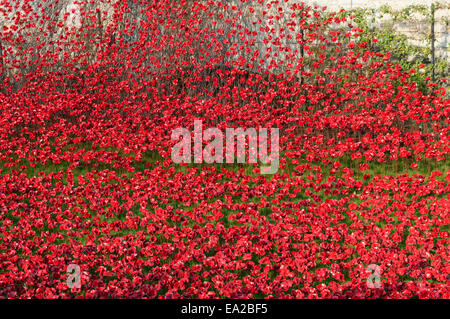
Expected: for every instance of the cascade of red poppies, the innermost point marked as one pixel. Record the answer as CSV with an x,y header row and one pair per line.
x,y
90,92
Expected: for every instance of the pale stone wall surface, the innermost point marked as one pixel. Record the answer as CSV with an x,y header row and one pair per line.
x,y
417,31
348,4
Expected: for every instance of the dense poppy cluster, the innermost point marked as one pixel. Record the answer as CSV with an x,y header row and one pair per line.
x,y
86,177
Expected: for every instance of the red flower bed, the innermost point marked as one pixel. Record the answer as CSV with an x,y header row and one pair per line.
x,y
87,111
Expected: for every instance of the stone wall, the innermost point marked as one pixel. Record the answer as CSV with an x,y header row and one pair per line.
x,y
417,31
